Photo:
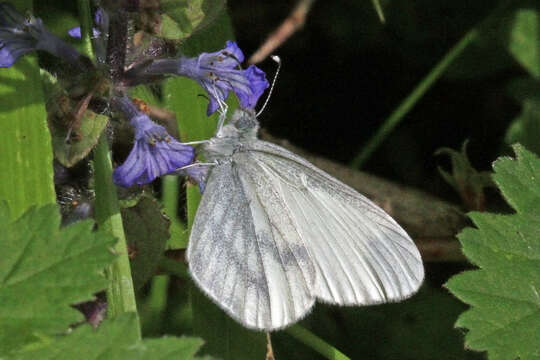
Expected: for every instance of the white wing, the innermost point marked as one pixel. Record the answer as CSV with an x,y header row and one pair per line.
x,y
272,233
237,255
361,254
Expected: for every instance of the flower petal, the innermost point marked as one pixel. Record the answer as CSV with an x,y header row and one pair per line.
x,y
19,35
155,152
257,83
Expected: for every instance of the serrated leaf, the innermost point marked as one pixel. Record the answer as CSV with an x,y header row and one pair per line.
x,y
519,180
525,39
44,270
68,153
26,155
109,342
146,229
505,292
525,128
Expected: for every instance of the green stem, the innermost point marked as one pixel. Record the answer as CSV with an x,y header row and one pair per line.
x,y
316,343
85,17
378,8
169,186
170,195
158,295
407,104
174,267
120,294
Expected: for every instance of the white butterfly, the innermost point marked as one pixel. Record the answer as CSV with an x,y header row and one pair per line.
x,y
273,233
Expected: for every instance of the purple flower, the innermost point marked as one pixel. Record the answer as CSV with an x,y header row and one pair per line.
x,y
20,35
76,32
196,173
155,152
101,19
218,73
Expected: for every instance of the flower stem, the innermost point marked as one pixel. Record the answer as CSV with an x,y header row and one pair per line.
x,y
378,8
120,294
85,17
316,343
408,103
179,234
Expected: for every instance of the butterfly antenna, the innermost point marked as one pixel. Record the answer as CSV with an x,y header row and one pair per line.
x,y
278,61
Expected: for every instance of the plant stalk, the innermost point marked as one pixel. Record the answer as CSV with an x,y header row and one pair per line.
x,y
408,103
120,294
316,343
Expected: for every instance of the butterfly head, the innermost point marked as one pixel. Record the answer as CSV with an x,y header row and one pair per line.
x,y
241,129
244,121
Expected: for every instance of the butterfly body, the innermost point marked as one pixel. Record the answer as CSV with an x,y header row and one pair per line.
x,y
273,234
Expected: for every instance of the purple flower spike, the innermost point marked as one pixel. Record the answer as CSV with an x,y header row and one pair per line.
x,y
101,19
218,73
155,152
20,35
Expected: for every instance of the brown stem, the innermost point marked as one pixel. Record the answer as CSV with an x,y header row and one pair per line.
x,y
289,26
117,43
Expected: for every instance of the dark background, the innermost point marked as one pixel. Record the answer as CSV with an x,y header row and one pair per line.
x,y
345,72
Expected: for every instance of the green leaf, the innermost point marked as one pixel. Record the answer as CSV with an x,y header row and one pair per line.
x,y
181,18
524,42
44,270
26,153
144,93
68,153
525,128
109,342
146,229
519,180
505,292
